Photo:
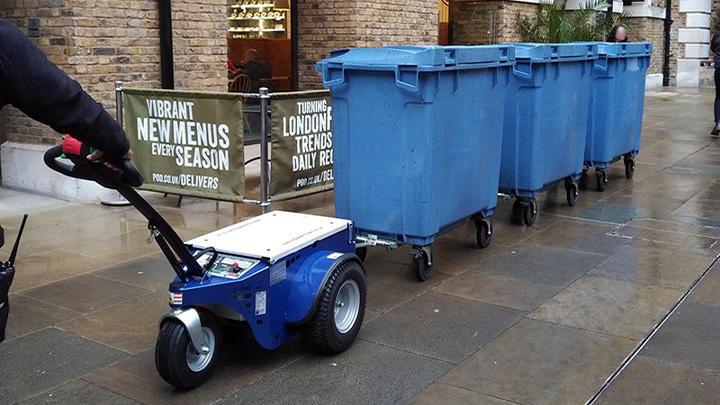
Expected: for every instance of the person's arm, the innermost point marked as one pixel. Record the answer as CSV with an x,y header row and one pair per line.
x,y
41,90
715,44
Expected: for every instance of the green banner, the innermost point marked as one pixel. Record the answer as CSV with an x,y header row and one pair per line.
x,y
302,154
187,143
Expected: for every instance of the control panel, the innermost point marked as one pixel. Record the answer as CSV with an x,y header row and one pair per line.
x,y
226,266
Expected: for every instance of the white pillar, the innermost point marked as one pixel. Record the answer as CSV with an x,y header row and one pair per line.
x,y
696,38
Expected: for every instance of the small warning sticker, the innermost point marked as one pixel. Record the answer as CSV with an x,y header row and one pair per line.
x,y
260,302
278,273
334,256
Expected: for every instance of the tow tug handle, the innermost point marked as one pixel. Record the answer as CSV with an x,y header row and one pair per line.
x,y
83,169
124,181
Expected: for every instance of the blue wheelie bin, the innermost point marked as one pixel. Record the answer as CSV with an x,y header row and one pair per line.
x,y
546,113
616,108
417,139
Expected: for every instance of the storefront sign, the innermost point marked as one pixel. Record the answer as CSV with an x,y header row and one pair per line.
x,y
302,154
187,143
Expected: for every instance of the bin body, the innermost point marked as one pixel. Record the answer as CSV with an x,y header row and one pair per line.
x,y
618,98
546,116
417,133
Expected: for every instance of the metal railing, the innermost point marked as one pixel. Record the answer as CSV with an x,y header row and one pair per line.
x,y
264,97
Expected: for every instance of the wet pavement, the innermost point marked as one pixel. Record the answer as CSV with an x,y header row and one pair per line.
x,y
545,315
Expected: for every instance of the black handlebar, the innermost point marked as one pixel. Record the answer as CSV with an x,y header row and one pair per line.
x,y
84,169
130,176
205,251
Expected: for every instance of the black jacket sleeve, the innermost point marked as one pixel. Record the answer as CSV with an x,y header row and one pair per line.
x,y
715,44
33,84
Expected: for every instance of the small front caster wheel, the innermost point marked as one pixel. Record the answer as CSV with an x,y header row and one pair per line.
x,y
340,310
571,188
629,167
361,253
176,359
602,179
529,211
484,232
423,262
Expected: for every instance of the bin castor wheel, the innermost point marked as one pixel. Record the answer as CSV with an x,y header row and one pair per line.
x,y
529,211
340,310
571,188
602,179
629,167
422,259
176,359
484,232
585,170
361,253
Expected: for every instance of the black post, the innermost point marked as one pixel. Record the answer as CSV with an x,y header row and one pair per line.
x,y
294,44
666,47
167,70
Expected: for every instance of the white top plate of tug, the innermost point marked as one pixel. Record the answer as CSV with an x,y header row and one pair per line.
x,y
273,235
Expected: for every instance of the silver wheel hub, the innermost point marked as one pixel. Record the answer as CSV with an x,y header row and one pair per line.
x,y
197,362
347,306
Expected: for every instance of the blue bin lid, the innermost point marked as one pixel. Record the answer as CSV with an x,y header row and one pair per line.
x,y
628,49
550,52
427,57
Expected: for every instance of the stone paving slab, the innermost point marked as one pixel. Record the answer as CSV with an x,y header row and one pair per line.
x,y
690,338
45,359
540,264
440,393
146,272
79,392
541,363
131,326
653,263
29,315
498,290
648,381
368,373
614,307
85,294
440,326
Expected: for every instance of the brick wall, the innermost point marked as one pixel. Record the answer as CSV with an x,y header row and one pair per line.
x,y
324,26
476,22
488,22
200,44
649,29
397,22
98,42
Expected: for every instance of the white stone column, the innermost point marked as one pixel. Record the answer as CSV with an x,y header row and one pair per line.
x,y
696,38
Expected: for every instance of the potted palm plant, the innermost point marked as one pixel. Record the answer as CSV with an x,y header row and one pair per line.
x,y
553,23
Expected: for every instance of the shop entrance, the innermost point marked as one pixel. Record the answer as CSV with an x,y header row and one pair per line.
x,y
260,45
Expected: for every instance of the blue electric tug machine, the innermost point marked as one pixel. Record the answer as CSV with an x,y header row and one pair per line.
x,y
280,272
